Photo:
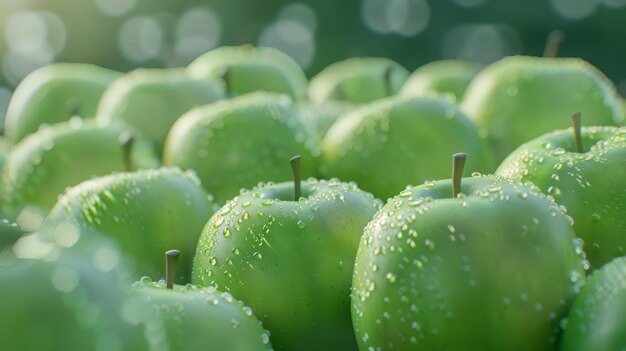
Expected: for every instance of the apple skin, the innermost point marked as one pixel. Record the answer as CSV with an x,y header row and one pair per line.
x,y
519,98
44,164
194,318
53,94
66,300
291,261
320,117
246,69
447,77
502,257
409,139
596,320
591,184
358,80
237,143
151,100
145,212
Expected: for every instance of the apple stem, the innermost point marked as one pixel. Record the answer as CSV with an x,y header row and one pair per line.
x,y
296,169
387,81
576,124
75,109
171,259
127,140
458,163
553,42
225,76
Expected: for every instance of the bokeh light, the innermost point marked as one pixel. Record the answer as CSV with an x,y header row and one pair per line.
x,y
115,8
469,3
141,38
198,30
574,9
293,33
480,42
404,17
33,40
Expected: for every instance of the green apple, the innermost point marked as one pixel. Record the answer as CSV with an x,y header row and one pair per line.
x,y
144,211
320,117
43,164
493,268
358,80
520,98
448,77
596,320
589,182
53,94
190,317
290,260
397,141
245,69
237,143
150,100
65,300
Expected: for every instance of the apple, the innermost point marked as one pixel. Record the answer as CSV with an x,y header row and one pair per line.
x,y
491,265
65,300
519,98
596,320
245,69
190,317
448,77
320,117
237,143
397,141
358,80
150,100
53,94
144,212
43,164
287,250
588,181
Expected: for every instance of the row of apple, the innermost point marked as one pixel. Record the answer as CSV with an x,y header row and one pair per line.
x,y
383,146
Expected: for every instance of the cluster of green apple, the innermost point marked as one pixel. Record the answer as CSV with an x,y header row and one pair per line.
x,y
104,172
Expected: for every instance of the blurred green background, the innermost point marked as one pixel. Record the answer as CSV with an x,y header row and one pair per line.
x,y
125,34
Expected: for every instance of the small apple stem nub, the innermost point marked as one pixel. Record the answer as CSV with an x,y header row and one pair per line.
x,y
127,140
458,163
171,260
577,124
387,81
553,42
296,162
226,78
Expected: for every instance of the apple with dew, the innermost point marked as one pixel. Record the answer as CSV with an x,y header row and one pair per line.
x,y
245,69
480,263
583,169
53,94
151,100
358,80
519,98
237,143
145,212
446,77
287,250
190,317
397,141
44,164
596,320
55,299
